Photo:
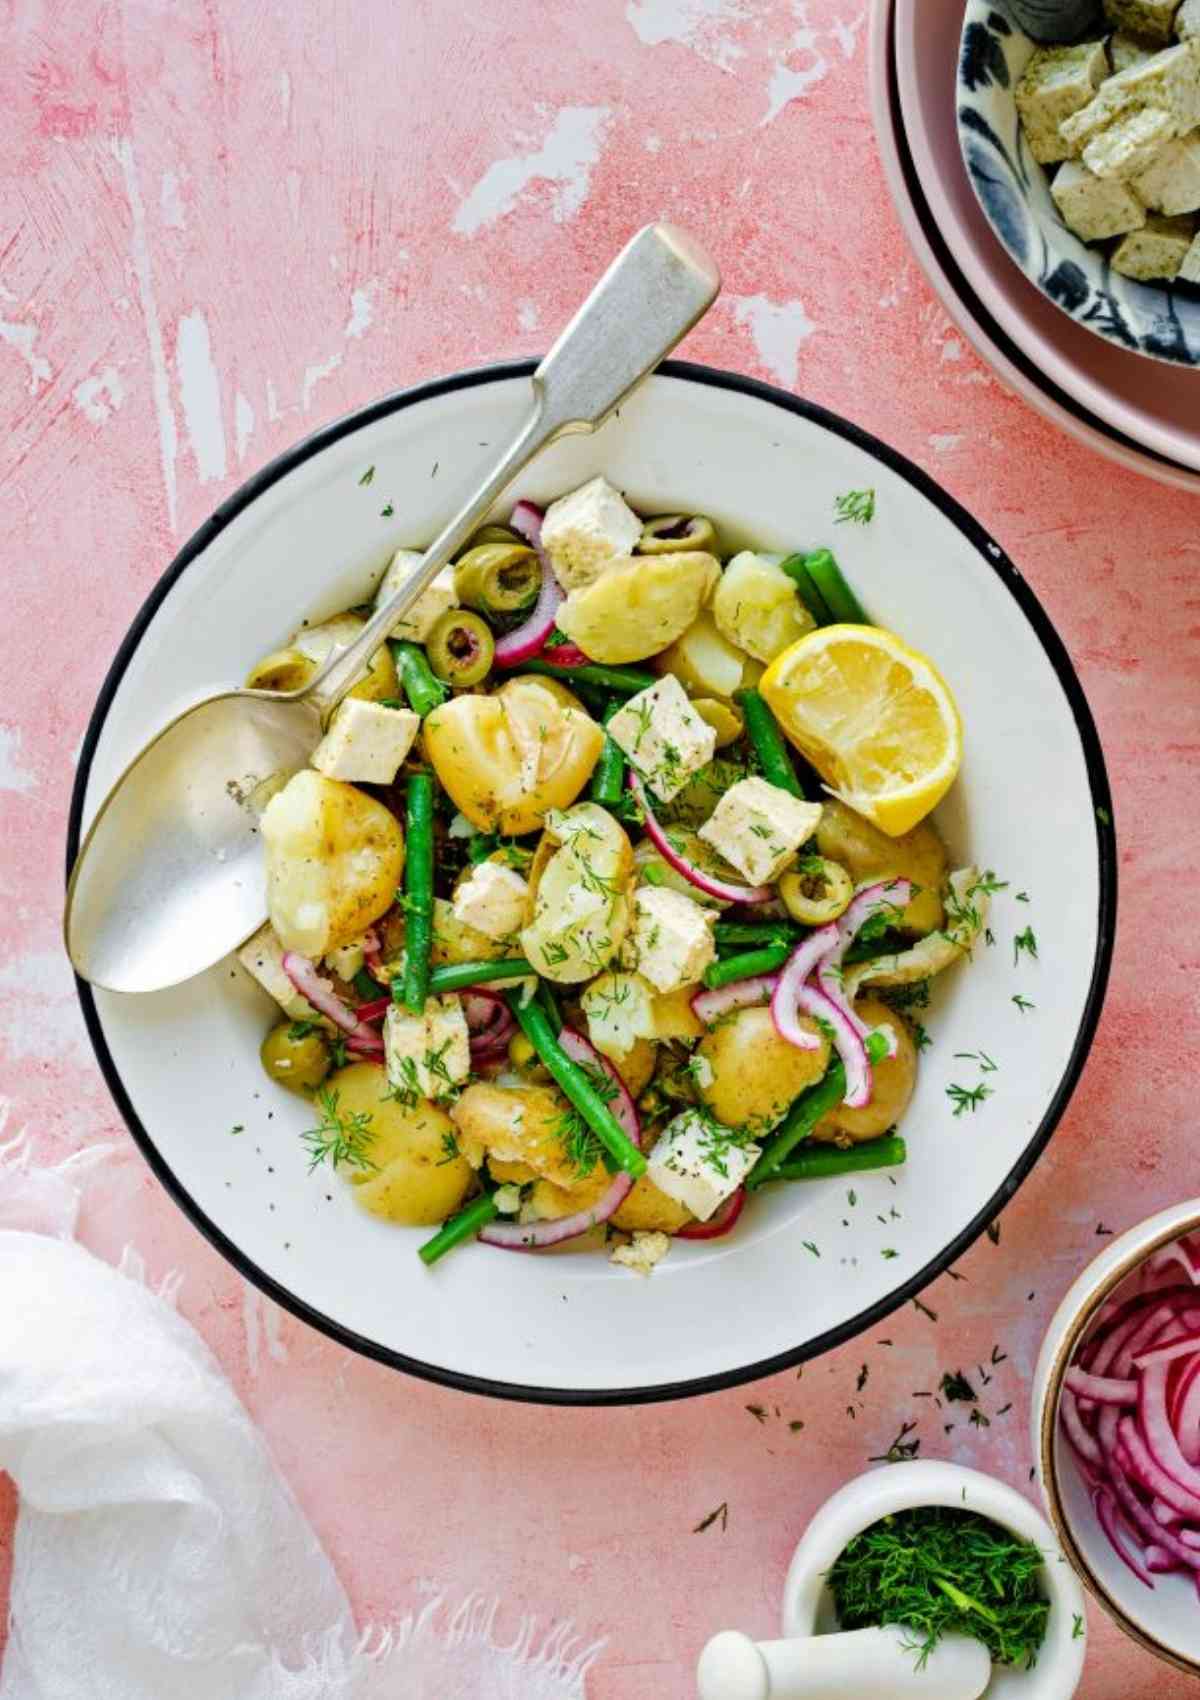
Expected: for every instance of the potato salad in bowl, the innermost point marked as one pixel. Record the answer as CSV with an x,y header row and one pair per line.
x,y
610,897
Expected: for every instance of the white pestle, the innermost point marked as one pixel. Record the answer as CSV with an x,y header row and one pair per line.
x,y
881,1663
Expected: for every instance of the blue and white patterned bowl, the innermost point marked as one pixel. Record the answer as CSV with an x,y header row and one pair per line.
x,y
1161,320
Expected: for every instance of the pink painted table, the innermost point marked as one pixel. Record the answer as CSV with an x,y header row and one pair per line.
x,y
224,224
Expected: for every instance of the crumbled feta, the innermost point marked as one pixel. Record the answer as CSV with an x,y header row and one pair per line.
x,y
699,1163
1094,207
1157,251
366,742
1171,183
758,827
670,941
587,532
1151,19
642,1252
663,736
492,900
1189,271
434,601
347,959
1126,50
1187,20
1056,83
1168,81
1130,144
262,956
428,1054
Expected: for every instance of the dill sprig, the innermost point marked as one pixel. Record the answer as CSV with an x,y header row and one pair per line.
x,y
339,1138
936,1570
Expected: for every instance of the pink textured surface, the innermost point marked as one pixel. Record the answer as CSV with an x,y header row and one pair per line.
x,y
226,223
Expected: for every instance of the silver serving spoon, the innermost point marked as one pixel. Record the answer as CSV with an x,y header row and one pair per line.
x,y
170,877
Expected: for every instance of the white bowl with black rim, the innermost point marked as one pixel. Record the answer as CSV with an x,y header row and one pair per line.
x,y
806,1269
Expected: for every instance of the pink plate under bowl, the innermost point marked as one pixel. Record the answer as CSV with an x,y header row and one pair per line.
x,y
1155,404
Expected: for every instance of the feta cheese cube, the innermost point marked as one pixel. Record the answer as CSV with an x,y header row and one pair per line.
x,y
1126,50
492,900
1189,271
1095,207
699,1163
427,1055
1157,251
1056,83
1168,81
589,531
642,1252
1129,144
670,941
758,827
1171,183
663,736
262,957
434,601
366,742
1149,18
1187,20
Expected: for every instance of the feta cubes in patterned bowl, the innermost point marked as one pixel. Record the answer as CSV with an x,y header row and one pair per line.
x,y
1086,159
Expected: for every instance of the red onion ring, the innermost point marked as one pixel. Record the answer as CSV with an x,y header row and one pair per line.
x,y
1186,1347
529,638
703,882
375,1010
719,1225
786,999
846,1042
532,1236
1103,1389
312,985
830,972
738,994
1106,1511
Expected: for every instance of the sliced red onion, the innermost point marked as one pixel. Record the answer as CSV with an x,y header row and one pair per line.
x,y
790,986
564,655
846,1042
1186,1421
1180,1252
373,957
1085,1444
703,881
483,1009
719,1225
1183,1348
532,1236
1158,1434
1159,1561
375,1010
526,640
1146,1467
1106,1511
738,994
1103,1389
1166,1515
884,893
312,985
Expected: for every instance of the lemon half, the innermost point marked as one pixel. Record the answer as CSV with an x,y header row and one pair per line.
x,y
875,718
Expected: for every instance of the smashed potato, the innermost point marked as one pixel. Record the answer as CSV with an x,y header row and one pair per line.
x,y
893,1081
580,895
755,606
748,1076
516,1124
637,609
868,854
417,1177
334,860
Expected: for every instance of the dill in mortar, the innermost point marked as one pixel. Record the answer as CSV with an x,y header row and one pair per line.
x,y
935,1570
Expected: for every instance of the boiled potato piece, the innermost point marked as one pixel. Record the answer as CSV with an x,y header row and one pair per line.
x,y
725,721
868,855
705,663
639,608
648,1210
417,1179
580,895
636,1067
516,1124
753,1075
334,860
674,1017
756,607
288,669
620,1011
893,1081
507,759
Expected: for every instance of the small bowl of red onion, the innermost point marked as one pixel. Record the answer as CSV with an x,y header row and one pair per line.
x,y
1116,1416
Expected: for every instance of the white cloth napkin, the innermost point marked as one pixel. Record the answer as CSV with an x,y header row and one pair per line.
x,y
158,1552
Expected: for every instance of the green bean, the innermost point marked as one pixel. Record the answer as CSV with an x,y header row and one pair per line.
x,y
622,681
754,932
843,605
462,1227
366,985
608,776
763,731
453,976
818,1162
418,890
537,1028
764,961
810,1108
548,998
423,691
796,568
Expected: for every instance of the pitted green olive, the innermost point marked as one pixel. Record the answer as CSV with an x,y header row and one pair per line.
x,y
460,647
498,578
296,1055
817,891
670,532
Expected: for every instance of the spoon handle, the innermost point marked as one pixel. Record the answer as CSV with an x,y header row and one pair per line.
x,y
656,289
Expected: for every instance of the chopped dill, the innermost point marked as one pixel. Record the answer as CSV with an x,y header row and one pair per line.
x,y
856,506
338,1138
